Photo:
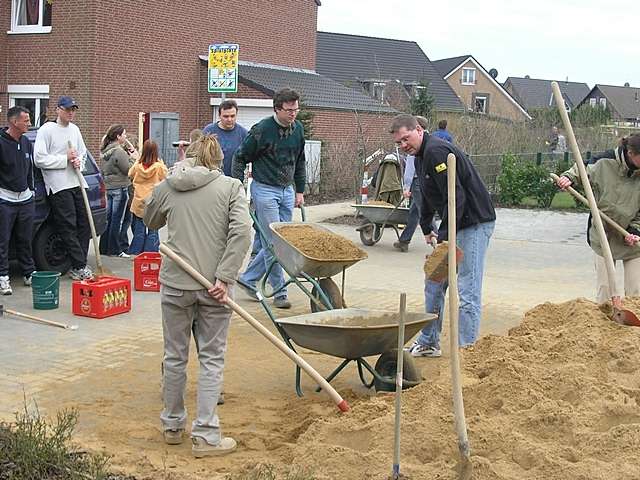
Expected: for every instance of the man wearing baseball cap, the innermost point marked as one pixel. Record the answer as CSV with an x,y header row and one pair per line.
x,y
59,149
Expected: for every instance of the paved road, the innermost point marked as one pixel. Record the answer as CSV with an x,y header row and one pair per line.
x,y
534,257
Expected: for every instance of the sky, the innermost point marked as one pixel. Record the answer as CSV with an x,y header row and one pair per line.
x,y
582,40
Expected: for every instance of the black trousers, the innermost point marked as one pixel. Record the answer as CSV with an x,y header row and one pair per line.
x,y
71,222
17,219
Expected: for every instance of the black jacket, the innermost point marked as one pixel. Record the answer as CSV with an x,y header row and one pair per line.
x,y
473,203
16,163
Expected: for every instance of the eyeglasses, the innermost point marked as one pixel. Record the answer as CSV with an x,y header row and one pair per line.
x,y
290,110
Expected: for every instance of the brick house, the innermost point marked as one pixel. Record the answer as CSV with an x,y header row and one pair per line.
x,y
121,58
478,90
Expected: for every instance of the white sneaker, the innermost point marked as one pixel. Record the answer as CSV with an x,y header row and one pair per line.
x,y
27,280
201,448
5,286
123,255
418,350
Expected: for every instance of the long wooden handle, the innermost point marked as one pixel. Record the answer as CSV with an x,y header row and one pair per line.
x,y
40,320
584,179
456,379
87,207
395,473
297,359
582,199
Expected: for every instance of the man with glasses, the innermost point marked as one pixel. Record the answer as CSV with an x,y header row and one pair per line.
x,y
59,150
17,204
275,147
475,221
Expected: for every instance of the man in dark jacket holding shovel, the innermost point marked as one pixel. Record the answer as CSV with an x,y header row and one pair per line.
x,y
475,223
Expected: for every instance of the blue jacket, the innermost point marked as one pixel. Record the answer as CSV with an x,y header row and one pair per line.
x,y
16,163
443,134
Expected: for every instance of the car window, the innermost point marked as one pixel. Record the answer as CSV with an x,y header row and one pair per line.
x,y
89,165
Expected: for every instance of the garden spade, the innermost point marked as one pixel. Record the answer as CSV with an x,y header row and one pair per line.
x,y
620,315
35,319
100,269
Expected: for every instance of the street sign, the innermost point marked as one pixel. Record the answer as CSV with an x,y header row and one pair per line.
x,y
223,67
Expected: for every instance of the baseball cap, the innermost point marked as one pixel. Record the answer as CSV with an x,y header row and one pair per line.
x,y
67,102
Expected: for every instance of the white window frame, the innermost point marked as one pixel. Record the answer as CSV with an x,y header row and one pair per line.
x,y
25,29
377,90
602,101
480,97
29,91
593,102
468,76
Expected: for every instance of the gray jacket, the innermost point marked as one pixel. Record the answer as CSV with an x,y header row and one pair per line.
x,y
208,224
116,163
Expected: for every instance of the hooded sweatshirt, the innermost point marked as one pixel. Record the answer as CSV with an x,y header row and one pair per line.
x,y
616,188
16,165
208,224
115,166
144,179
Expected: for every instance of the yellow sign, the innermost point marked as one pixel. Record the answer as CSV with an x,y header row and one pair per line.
x,y
223,67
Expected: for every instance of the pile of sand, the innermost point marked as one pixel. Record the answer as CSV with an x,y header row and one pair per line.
x,y
557,398
321,244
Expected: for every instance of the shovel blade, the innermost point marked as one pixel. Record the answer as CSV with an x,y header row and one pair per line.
x,y
626,317
436,266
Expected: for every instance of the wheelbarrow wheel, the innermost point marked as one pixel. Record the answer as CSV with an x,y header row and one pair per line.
x,y
370,235
386,367
333,293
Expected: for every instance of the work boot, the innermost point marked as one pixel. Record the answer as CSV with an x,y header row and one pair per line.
x,y
402,246
281,302
173,437
201,448
221,398
5,286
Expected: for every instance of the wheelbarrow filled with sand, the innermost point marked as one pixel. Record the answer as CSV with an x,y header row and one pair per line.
x,y
311,254
378,216
353,334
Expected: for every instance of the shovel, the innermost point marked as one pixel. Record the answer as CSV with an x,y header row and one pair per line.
x,y
36,319
621,315
342,405
436,265
100,270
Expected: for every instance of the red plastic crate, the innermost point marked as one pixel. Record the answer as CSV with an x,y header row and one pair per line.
x,y
146,270
103,297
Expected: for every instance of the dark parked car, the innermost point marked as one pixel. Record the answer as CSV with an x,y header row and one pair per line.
x,y
49,251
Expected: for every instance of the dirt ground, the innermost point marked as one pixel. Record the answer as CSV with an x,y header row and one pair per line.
x,y
556,398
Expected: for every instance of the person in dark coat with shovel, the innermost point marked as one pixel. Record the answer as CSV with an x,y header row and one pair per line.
x,y
475,216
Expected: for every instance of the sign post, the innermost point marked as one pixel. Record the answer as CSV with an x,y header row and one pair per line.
x,y
223,68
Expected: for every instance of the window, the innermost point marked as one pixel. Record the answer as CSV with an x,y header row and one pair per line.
x,y
30,16
468,76
377,90
603,102
481,103
593,102
34,98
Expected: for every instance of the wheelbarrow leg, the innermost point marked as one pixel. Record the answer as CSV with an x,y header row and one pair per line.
x,y
361,362
335,372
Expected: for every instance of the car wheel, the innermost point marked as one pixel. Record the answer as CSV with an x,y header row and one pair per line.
x,y
49,251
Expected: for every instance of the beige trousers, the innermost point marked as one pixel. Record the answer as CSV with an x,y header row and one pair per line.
x,y
631,270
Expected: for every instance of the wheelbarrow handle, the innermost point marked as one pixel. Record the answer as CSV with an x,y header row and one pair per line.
x,y
297,359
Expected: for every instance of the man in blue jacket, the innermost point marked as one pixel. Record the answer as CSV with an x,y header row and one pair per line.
x,y
17,204
475,221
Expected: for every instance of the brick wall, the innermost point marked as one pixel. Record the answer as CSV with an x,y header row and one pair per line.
x,y
347,138
127,57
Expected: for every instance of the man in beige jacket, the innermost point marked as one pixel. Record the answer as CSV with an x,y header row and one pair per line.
x,y
208,225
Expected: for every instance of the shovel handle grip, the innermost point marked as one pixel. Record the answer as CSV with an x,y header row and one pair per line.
x,y
297,359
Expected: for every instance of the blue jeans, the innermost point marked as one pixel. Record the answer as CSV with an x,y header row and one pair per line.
x,y
414,212
124,229
272,204
144,239
473,241
116,203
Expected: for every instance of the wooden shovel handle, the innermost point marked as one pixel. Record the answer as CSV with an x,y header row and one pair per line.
x,y
297,359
